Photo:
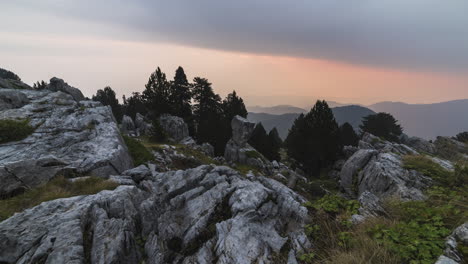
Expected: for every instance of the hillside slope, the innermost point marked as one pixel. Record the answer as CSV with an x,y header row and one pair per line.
x,y
428,120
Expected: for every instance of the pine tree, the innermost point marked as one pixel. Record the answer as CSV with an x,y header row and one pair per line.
x,y
382,125
107,96
157,94
259,139
314,139
275,143
234,105
40,85
133,105
180,95
348,136
208,115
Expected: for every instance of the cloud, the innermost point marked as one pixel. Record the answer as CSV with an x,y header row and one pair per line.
x,y
417,34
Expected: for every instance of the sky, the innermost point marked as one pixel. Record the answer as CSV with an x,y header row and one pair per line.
x,y
271,52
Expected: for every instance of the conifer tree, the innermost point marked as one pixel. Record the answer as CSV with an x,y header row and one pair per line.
x,y
107,96
134,104
348,136
314,139
157,94
382,125
208,115
275,144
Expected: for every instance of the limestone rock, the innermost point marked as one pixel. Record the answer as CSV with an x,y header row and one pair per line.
x,y
203,215
451,254
174,126
241,130
208,149
12,99
127,126
82,138
57,84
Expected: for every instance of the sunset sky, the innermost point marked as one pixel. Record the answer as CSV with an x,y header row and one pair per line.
x,y
271,52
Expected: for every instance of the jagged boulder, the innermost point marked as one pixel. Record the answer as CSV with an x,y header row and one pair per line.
x,y
127,126
142,127
175,127
241,130
203,215
57,84
377,169
80,137
13,84
237,148
419,144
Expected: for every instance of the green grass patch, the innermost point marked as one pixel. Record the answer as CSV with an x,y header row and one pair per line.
x,y
244,169
254,154
59,187
139,153
443,177
14,130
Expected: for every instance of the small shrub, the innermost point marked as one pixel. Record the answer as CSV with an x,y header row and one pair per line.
x,y
253,154
335,204
139,153
59,187
13,130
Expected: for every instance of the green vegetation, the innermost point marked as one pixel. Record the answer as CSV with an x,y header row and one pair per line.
x,y
409,232
59,187
253,154
382,125
428,167
139,153
314,139
13,130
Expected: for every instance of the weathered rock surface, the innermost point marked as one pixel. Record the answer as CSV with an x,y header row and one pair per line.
x,y
12,99
127,126
377,169
70,136
451,254
205,215
174,126
237,147
57,85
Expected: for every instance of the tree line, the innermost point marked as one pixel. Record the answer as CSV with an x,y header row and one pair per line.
x,y
207,115
315,141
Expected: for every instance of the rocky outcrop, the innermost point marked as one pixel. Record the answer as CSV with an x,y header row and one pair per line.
x,y
142,127
451,253
12,99
57,85
205,215
70,137
175,127
419,144
127,126
376,169
237,148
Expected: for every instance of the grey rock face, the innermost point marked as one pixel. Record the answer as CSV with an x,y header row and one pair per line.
x,y
80,137
376,169
13,84
12,99
174,126
419,144
241,130
57,84
208,149
451,254
142,127
237,148
127,126
203,215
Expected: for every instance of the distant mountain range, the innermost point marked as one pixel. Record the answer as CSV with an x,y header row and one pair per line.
x,y
428,120
422,120
286,109
352,114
